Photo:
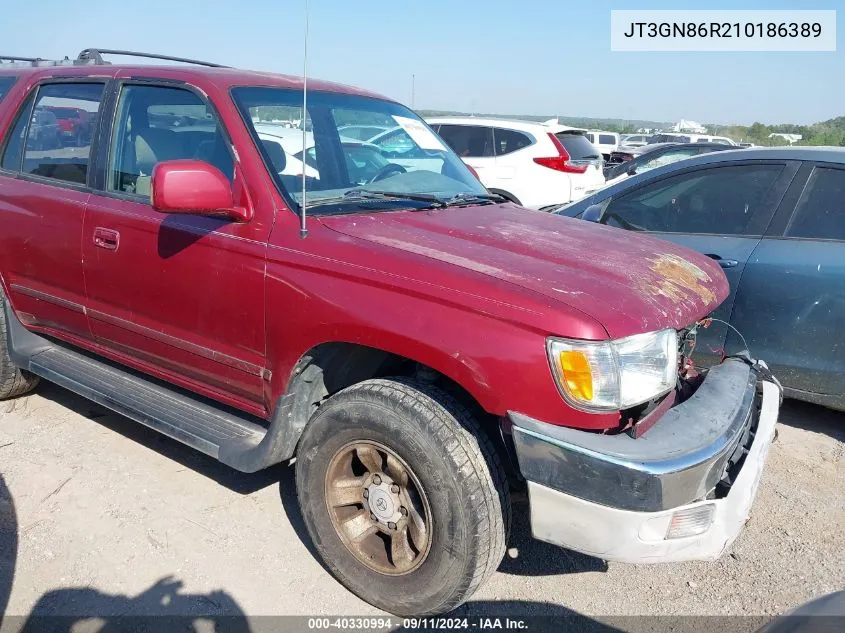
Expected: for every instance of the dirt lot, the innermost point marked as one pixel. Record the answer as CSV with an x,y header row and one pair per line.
x,y
99,514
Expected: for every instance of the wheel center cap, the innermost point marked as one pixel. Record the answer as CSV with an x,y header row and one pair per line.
x,y
381,504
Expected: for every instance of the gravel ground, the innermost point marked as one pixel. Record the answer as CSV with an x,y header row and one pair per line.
x,y
99,514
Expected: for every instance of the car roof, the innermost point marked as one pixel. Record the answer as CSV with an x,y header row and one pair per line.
x,y
223,77
646,149
514,124
820,153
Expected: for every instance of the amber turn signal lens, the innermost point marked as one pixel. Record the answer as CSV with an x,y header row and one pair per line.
x,y
575,368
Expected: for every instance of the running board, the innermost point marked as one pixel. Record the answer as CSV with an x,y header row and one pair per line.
x,y
234,438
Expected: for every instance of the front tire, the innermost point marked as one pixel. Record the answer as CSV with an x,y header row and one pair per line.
x,y
394,459
13,381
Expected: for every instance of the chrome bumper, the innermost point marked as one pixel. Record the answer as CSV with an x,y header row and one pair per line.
x,y
615,497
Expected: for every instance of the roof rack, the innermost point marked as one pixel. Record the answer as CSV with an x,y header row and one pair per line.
x,y
12,58
95,56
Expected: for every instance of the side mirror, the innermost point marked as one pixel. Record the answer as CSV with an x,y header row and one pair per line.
x,y
593,213
632,171
194,187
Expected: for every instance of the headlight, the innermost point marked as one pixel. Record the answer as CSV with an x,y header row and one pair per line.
x,y
615,375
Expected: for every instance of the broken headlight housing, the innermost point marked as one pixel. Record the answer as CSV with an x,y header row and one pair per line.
x,y
614,375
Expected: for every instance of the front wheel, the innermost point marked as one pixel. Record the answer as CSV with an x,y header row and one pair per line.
x,y
403,495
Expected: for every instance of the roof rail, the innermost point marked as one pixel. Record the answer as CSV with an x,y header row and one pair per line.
x,y
12,58
95,56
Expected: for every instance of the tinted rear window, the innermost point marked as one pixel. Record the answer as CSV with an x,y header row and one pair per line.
x,y
821,213
607,139
5,84
508,141
577,146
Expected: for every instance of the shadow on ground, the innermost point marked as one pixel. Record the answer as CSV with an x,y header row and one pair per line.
x,y
812,417
8,545
161,607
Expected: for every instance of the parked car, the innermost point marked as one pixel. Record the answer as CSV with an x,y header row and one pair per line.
x,y
424,345
75,125
45,133
634,140
362,132
676,137
774,221
531,164
638,160
605,142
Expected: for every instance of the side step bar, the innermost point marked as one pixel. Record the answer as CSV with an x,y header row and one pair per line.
x,y
236,439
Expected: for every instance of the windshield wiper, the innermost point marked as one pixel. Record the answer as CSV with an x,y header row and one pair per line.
x,y
367,194
466,198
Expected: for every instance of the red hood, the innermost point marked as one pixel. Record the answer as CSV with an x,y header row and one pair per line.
x,y
629,282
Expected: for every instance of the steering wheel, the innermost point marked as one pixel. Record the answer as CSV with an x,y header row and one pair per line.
x,y
622,222
387,171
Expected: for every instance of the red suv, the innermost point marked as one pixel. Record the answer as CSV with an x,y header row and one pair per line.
x,y
422,348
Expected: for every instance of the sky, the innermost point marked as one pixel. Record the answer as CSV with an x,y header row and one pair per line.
x,y
487,56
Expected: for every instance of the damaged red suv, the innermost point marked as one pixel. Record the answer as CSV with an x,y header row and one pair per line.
x,y
422,348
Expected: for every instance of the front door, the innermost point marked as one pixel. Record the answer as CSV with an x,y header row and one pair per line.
x,y
43,193
183,294
720,212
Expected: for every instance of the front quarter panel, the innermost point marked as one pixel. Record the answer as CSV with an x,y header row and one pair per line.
x,y
334,288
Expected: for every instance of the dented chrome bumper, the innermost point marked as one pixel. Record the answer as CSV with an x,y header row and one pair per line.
x,y
681,491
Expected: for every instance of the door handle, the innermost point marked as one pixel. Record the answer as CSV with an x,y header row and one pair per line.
x,y
106,238
724,263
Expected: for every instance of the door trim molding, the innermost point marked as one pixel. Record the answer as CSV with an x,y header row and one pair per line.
x,y
44,296
173,341
167,339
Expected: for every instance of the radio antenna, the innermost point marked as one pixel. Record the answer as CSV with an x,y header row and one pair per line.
x,y
303,229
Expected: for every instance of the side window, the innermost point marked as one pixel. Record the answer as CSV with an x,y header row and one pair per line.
x,y
724,200
508,141
57,147
820,212
13,153
156,124
5,84
468,141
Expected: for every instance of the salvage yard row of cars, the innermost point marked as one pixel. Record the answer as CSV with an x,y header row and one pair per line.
x,y
421,343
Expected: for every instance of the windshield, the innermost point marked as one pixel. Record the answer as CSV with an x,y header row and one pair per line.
x,y
342,172
5,84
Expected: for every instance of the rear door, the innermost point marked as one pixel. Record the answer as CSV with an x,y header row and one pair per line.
x,y
791,301
474,144
720,211
43,192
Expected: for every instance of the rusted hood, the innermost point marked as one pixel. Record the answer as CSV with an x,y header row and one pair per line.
x,y
629,282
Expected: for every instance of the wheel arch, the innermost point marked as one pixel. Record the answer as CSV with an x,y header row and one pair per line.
x,y
329,367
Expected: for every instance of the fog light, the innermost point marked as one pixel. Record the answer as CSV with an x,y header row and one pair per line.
x,y
691,522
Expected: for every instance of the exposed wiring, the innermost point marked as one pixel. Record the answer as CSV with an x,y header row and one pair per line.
x,y
744,342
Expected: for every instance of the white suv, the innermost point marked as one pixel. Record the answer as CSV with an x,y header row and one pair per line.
x,y
532,164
